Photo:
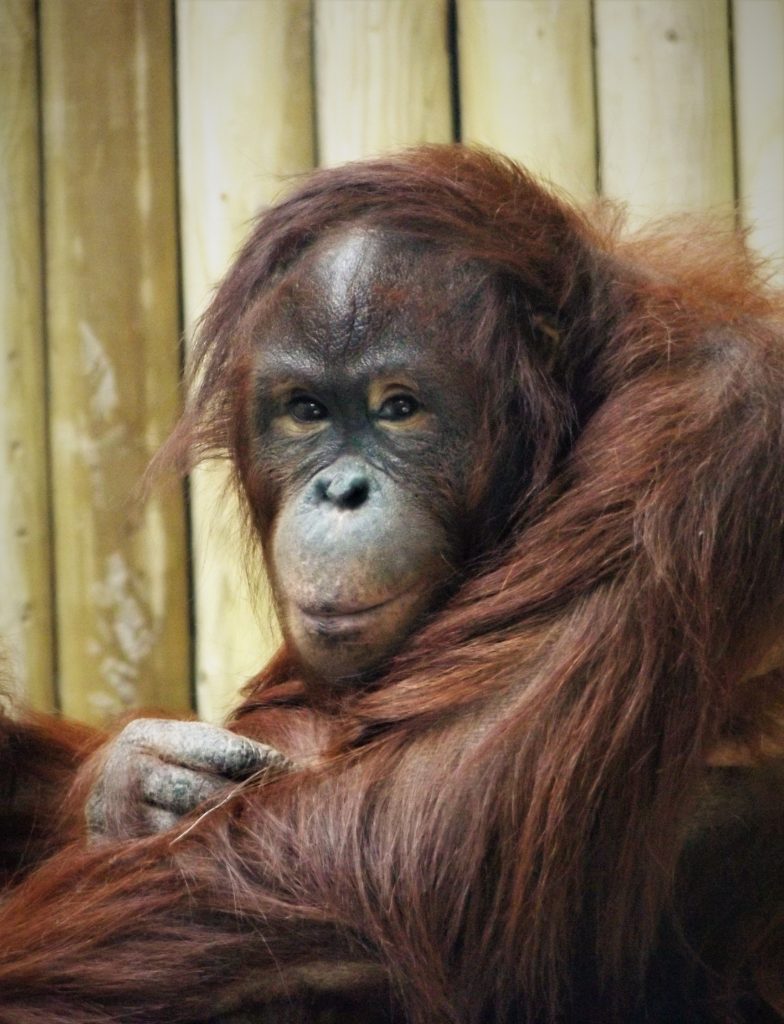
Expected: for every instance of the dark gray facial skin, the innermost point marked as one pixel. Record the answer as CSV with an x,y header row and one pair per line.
x,y
366,424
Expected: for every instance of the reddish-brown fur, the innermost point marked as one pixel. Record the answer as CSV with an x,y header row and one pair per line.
x,y
496,825
38,759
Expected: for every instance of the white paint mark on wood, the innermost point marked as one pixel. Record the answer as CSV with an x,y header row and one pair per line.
x,y
98,370
141,69
127,635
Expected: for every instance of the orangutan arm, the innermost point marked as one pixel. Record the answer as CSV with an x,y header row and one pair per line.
x,y
39,760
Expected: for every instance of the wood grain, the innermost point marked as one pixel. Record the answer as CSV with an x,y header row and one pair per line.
x,y
25,550
122,621
526,85
665,116
382,76
759,107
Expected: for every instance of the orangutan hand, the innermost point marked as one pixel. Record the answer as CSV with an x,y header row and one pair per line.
x,y
156,771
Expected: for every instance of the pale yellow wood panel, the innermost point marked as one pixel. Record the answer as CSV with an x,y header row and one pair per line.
x,y
246,127
25,552
114,360
526,85
759,111
382,76
665,121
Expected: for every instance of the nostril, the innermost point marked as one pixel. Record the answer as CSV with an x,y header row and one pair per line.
x,y
347,491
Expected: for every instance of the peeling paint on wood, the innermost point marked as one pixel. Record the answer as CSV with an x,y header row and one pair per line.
x,y
113,337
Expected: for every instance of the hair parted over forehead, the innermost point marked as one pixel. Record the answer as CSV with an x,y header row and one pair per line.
x,y
644,376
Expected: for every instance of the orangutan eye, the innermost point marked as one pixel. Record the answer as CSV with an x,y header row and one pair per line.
x,y
398,407
305,409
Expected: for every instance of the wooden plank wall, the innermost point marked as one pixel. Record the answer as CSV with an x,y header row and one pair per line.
x,y
138,137
26,597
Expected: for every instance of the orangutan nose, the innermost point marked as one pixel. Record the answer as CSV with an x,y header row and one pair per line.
x,y
347,487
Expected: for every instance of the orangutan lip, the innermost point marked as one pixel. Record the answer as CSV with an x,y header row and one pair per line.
x,y
330,621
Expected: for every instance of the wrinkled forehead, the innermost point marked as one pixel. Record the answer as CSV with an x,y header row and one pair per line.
x,y
359,289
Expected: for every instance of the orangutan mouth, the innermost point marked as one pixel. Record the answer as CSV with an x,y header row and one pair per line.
x,y
344,621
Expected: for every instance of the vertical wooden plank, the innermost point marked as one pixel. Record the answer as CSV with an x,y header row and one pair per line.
x,y
113,330
526,85
382,74
25,599
665,118
246,125
759,113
